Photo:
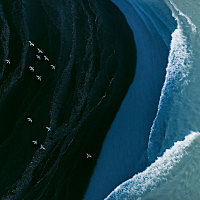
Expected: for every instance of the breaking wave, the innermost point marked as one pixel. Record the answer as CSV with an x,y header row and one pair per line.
x,y
175,174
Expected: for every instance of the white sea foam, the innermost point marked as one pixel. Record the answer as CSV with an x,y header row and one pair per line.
x,y
193,26
174,176
176,81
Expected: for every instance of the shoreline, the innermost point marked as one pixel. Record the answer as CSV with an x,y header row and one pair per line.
x,y
127,140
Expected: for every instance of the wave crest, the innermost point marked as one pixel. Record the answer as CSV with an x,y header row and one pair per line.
x,y
176,81
176,170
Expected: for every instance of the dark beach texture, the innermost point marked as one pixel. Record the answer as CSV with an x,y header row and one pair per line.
x,y
93,49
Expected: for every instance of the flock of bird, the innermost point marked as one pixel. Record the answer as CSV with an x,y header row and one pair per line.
x,y
39,78
35,142
39,57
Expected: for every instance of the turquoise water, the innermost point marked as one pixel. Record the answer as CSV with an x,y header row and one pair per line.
x,y
173,147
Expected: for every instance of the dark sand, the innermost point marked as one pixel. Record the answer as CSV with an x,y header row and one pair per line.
x,y
93,49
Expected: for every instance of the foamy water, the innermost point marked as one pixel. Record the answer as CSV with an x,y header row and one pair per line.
x,y
170,176
178,107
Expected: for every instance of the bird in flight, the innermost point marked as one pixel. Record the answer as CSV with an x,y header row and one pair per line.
x,y
31,68
88,155
53,67
39,50
35,142
31,43
48,128
29,120
7,61
46,58
39,78
38,57
42,147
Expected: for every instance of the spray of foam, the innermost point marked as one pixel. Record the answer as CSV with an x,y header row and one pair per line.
x,y
165,170
194,28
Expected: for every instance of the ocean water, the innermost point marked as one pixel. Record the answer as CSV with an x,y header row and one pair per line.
x,y
124,150
173,147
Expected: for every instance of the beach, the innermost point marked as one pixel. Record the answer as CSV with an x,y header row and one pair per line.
x,y
94,59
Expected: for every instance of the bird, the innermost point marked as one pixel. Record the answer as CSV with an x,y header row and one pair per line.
x,y
48,128
39,50
29,120
35,142
39,78
46,58
42,147
7,61
53,67
88,155
38,57
31,43
31,68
